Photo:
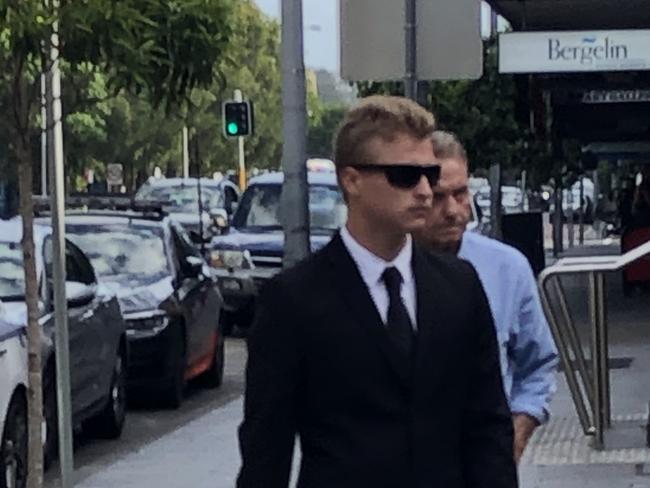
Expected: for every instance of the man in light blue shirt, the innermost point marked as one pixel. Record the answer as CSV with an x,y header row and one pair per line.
x,y
528,352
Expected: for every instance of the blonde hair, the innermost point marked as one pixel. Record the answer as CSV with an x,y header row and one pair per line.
x,y
383,117
446,145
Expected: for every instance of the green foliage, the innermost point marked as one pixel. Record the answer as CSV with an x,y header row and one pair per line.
x,y
322,130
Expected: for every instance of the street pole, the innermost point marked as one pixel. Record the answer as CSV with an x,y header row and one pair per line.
x,y
186,152
57,202
240,149
495,201
295,193
410,54
43,138
581,215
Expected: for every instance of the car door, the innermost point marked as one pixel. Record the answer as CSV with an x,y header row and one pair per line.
x,y
198,299
88,338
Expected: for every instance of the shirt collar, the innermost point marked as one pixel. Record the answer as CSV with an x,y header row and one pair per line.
x,y
372,266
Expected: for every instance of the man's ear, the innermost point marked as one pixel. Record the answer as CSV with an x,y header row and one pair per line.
x,y
349,181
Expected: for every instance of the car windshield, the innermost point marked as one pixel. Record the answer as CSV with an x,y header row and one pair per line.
x,y
260,208
123,252
12,278
182,198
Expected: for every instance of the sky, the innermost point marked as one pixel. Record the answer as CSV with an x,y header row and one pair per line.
x,y
320,19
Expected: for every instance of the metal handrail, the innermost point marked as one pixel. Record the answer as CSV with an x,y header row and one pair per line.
x,y
590,392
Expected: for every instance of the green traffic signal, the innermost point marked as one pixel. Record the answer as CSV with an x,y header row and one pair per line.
x,y
237,118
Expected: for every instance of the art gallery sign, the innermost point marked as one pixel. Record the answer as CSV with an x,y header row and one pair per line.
x,y
579,51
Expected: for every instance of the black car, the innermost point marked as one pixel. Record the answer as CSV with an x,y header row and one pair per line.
x,y
180,198
168,294
98,345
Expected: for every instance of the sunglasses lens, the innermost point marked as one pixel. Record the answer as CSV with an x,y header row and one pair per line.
x,y
403,176
433,175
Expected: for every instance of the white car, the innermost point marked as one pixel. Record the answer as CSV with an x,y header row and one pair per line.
x,y
13,403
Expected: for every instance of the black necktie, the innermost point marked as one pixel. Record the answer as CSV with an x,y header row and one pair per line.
x,y
398,323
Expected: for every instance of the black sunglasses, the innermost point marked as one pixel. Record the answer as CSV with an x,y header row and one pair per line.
x,y
404,175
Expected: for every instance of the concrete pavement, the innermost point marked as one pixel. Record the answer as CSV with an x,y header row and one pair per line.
x,y
201,454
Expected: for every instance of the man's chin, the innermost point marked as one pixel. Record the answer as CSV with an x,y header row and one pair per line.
x,y
448,241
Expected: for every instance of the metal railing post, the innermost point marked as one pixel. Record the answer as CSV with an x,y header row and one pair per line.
x,y
603,337
565,358
593,396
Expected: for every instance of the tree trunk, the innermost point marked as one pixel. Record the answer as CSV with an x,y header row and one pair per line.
x,y
35,391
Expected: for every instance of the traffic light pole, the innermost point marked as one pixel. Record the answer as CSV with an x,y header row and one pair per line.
x,y
410,31
294,202
240,147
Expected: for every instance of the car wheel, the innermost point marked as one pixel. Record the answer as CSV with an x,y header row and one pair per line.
x,y
50,416
213,378
108,424
173,392
13,450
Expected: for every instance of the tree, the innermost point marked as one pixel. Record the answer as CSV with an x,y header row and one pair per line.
x,y
320,137
156,48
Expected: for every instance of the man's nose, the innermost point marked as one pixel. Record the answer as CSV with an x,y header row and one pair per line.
x,y
423,188
452,207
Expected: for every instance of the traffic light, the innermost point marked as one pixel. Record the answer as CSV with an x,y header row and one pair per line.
x,y
237,119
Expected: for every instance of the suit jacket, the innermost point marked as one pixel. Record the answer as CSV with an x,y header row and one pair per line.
x,y
321,366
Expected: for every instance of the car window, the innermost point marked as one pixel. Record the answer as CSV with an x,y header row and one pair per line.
x,y
260,208
12,278
77,266
183,247
182,198
123,251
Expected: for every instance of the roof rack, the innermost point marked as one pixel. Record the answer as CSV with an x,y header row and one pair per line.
x,y
117,202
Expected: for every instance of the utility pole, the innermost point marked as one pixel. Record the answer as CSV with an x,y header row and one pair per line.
x,y
57,203
241,153
186,152
410,55
43,138
295,192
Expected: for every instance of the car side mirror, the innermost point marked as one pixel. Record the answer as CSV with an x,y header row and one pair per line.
x,y
220,219
78,294
194,266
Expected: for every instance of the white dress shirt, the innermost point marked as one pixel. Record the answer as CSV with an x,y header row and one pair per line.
x,y
371,267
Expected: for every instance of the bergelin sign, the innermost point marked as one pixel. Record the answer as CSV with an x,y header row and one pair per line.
x,y
566,52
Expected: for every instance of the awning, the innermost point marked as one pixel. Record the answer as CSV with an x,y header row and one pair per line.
x,y
539,15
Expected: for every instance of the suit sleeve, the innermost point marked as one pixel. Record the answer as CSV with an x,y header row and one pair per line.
x,y
488,457
267,433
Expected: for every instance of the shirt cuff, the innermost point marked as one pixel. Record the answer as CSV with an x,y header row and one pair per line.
x,y
538,413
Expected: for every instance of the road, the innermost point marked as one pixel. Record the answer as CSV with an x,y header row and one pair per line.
x,y
146,423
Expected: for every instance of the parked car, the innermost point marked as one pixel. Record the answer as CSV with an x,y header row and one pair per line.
x,y
250,251
512,200
98,347
13,400
181,200
168,295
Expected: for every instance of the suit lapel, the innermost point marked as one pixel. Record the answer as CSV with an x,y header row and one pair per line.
x,y
356,295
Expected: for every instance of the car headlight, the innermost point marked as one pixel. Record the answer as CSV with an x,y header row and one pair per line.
x,y
230,259
153,324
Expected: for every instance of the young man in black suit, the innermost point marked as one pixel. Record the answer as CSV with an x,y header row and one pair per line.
x,y
381,358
